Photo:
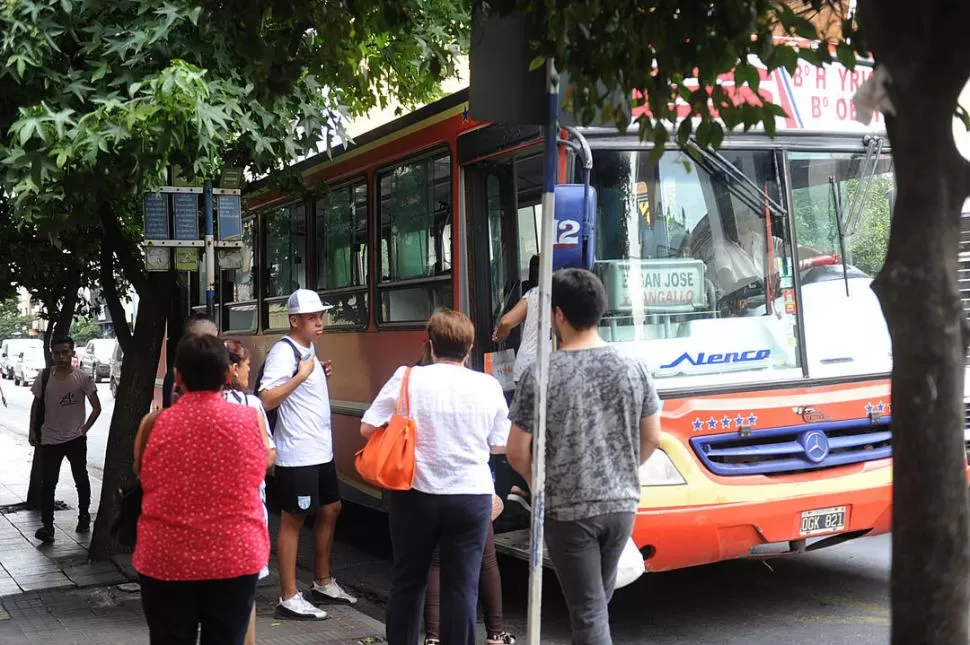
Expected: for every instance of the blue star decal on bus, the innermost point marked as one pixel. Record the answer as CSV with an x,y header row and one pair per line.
x,y
698,425
739,420
464,114
752,419
881,407
726,422
870,408
712,423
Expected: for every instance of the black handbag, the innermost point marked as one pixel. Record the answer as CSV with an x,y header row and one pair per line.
x,y
124,528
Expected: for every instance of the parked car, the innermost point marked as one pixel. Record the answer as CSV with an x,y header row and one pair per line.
x,y
116,358
10,351
29,364
96,358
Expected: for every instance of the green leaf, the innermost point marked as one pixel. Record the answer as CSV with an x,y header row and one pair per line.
x,y
770,125
846,55
536,63
804,28
703,133
717,135
776,110
684,131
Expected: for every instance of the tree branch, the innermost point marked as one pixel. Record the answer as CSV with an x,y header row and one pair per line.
x,y
61,322
109,288
115,240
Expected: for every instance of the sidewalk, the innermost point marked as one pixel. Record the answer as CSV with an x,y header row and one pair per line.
x,y
52,595
25,563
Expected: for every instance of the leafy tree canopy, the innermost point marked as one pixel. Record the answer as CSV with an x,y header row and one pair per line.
x,y
100,96
676,42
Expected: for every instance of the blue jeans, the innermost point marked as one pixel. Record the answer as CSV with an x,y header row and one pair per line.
x,y
458,525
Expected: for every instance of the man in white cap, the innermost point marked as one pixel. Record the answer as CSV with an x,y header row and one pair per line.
x,y
295,382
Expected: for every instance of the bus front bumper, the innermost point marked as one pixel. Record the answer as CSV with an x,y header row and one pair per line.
x,y
677,537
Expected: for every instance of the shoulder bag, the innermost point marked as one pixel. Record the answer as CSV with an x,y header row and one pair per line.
x,y
387,460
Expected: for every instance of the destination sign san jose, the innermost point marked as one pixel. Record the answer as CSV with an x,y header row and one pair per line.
x,y
668,284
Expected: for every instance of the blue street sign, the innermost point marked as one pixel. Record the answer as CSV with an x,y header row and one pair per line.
x,y
230,216
155,211
186,216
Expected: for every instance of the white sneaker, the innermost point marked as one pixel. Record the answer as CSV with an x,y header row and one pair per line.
x,y
297,608
332,592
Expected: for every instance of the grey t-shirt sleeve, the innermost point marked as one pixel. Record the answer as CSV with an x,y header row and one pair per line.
x,y
522,411
651,400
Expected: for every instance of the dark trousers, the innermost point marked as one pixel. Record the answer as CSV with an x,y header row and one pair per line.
x,y
51,457
175,610
585,554
457,525
489,589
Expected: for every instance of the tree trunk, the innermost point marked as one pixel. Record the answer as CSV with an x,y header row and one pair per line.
x,y
131,404
33,491
917,288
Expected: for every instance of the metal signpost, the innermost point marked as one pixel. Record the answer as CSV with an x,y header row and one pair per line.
x,y
178,205
551,133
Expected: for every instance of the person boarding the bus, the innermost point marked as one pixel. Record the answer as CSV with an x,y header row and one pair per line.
x,y
61,391
603,423
306,475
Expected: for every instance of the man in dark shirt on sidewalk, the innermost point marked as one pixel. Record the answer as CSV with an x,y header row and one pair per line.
x,y
603,422
63,432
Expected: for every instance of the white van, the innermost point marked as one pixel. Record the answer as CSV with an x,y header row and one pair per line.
x,y
10,349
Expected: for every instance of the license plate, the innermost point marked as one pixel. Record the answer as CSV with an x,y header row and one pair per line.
x,y
823,520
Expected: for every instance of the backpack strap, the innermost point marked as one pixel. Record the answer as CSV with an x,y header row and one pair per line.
x,y
296,353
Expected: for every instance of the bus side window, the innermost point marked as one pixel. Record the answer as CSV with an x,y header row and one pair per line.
x,y
343,255
415,215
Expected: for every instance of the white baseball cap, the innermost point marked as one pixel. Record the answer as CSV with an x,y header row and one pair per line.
x,y
304,301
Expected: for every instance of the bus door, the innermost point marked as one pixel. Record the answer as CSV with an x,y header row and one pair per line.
x,y
493,259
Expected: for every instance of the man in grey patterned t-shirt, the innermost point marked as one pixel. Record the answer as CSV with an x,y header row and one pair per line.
x,y
603,422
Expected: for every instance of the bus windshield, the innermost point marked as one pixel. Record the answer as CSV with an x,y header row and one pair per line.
x,y
699,263
845,331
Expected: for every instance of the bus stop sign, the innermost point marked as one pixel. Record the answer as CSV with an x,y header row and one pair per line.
x,y
575,228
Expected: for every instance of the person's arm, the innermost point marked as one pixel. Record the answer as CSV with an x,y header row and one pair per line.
x,y
384,405
649,436
36,389
264,433
649,417
366,430
510,321
141,440
519,453
498,436
522,417
95,408
272,397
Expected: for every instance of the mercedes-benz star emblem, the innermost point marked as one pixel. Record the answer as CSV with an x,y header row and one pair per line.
x,y
816,446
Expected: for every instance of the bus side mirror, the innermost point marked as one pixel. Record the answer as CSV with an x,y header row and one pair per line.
x,y
574,244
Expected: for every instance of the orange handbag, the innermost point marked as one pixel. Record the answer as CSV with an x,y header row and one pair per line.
x,y
387,460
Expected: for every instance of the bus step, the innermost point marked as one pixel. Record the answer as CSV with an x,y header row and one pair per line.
x,y
516,544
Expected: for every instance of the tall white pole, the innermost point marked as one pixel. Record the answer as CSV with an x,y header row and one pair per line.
x,y
542,360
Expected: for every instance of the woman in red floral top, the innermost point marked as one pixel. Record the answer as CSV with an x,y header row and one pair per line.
x,y
202,536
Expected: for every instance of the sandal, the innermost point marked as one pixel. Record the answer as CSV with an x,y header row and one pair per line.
x,y
501,638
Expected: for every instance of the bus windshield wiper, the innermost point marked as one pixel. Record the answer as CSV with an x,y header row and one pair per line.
x,y
860,197
753,196
840,225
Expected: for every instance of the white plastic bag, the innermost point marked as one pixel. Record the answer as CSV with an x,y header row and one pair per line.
x,y
630,566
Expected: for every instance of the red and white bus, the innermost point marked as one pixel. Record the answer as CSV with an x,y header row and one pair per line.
x,y
742,277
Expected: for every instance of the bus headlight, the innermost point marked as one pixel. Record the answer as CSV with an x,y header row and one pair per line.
x,y
660,471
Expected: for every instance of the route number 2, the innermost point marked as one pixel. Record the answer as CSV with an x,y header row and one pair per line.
x,y
567,233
